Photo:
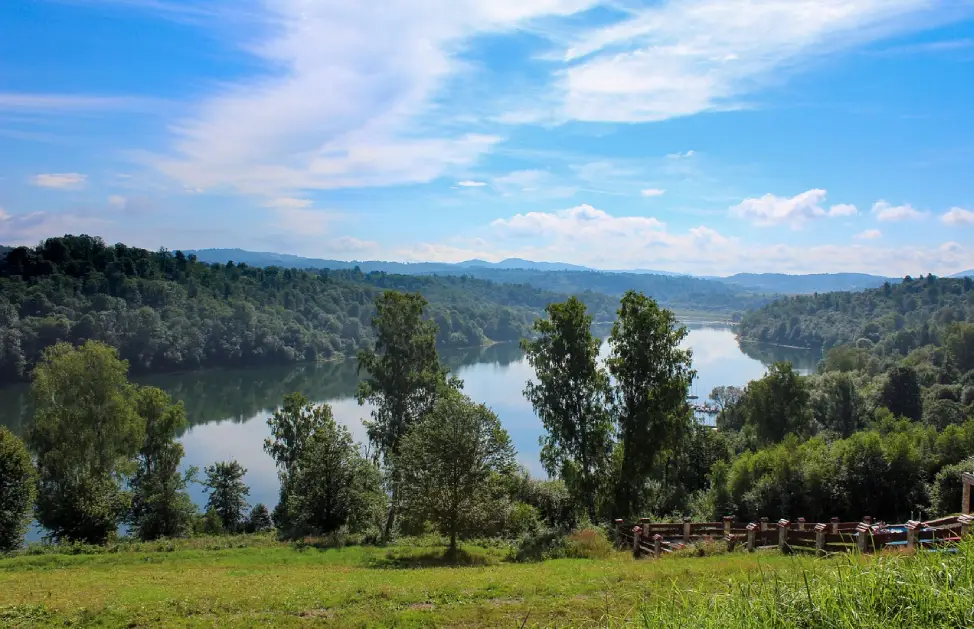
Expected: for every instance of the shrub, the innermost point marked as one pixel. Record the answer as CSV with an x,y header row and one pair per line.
x,y
522,519
17,490
589,543
540,545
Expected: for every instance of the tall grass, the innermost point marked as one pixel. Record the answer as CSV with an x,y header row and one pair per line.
x,y
929,590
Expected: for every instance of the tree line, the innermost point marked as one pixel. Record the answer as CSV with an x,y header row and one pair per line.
x,y
165,311
862,436
104,451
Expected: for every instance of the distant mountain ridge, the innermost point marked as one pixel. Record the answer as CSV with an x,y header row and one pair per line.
x,y
967,273
773,283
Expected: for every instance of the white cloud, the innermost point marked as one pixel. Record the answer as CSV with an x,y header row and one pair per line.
x,y
958,216
593,237
843,209
774,210
886,212
471,184
31,228
288,203
682,57
653,192
685,155
348,103
869,234
59,181
580,223
66,103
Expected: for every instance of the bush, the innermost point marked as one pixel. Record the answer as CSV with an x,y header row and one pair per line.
x,y
210,523
17,490
590,543
522,519
259,520
947,488
541,545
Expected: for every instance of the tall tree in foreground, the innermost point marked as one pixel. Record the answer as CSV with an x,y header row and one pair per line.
x,y
86,435
652,376
161,507
17,490
228,494
404,378
450,463
292,427
570,398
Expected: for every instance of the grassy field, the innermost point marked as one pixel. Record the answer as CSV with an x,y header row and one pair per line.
x,y
255,581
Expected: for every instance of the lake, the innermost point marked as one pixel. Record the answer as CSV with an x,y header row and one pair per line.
x,y
228,410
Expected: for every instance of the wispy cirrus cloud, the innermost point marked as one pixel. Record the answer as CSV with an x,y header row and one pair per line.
x,y
677,58
348,104
59,181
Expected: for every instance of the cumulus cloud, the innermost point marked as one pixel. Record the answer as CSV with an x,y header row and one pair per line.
x,y
653,192
774,210
681,57
59,181
887,213
471,184
593,237
869,234
958,216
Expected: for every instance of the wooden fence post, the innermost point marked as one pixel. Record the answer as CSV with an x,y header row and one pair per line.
x,y
686,530
751,534
965,524
863,535
618,532
835,526
868,519
801,524
658,545
783,526
911,534
820,538
764,524
636,531
728,522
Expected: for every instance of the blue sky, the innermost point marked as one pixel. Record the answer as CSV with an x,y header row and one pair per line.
x,y
701,136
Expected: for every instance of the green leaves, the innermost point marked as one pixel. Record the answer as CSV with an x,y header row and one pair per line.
x,y
450,463
17,490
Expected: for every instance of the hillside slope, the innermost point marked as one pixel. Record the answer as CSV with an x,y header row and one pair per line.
x,y
898,318
165,311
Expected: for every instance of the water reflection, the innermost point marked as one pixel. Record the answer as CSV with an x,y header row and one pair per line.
x,y
227,410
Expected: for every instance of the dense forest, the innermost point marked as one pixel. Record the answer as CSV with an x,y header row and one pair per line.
x,y
166,311
893,319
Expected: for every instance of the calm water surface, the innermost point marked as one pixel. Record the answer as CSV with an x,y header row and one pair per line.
x,y
228,410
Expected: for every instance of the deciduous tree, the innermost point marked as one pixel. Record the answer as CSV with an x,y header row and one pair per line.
x,y
228,493
404,377
17,490
86,435
651,378
451,462
570,398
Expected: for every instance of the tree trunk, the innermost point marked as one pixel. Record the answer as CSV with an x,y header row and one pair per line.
x,y
387,532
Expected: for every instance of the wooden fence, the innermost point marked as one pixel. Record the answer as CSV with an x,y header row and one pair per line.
x,y
658,538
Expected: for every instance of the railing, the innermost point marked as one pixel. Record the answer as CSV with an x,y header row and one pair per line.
x,y
657,538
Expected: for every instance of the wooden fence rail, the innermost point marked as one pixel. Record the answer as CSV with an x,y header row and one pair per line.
x,y
658,538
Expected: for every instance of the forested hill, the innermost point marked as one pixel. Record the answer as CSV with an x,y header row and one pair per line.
x,y
805,284
895,318
166,311
678,292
